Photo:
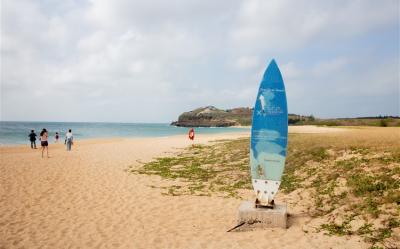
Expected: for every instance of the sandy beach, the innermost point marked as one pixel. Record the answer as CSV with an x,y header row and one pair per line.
x,y
86,199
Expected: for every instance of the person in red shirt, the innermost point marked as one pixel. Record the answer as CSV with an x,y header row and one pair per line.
x,y
191,135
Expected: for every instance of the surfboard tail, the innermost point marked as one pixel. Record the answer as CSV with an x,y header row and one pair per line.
x,y
265,191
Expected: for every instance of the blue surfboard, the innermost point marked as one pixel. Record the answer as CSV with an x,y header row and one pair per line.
x,y
269,136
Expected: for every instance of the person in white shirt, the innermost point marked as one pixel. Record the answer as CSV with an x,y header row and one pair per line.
x,y
69,139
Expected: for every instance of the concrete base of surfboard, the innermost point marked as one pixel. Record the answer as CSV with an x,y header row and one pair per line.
x,y
261,218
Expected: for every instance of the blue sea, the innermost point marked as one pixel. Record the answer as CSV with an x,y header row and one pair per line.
x,y
14,133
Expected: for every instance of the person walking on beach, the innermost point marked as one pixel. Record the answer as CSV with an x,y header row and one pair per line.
x,y
44,135
191,136
32,138
69,140
56,137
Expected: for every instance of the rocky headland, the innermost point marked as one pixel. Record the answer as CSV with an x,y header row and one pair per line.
x,y
210,116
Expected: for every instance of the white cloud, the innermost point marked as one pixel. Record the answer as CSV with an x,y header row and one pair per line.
x,y
283,24
81,56
291,71
246,62
333,66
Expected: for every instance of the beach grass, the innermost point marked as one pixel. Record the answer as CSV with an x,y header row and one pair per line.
x,y
352,178
220,168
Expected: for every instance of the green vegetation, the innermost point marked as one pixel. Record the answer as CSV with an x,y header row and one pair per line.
x,y
343,229
348,176
218,168
383,122
375,236
366,121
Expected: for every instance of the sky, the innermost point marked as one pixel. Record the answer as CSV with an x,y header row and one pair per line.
x,y
149,61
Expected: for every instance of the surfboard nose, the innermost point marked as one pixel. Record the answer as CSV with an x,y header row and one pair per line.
x,y
272,73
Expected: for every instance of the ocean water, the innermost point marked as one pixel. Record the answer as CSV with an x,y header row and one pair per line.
x,y
13,133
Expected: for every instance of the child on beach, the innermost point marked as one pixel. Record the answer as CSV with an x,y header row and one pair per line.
x,y
69,140
32,138
56,137
43,141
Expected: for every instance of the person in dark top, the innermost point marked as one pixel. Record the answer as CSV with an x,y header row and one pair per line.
x,y
56,137
44,136
32,138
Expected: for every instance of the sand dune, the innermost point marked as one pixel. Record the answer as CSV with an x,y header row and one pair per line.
x,y
85,199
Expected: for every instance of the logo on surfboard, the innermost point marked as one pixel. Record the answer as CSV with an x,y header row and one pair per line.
x,y
266,102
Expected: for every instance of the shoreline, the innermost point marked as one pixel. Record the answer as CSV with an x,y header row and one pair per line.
x,y
114,139
292,129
